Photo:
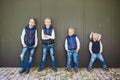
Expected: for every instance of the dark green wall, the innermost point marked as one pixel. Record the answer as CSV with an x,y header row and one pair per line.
x,y
102,16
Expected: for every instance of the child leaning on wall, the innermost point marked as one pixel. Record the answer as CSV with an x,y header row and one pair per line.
x,y
48,37
29,42
96,49
72,46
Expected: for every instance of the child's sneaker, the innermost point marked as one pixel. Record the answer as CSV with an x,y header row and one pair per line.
x,y
69,70
54,69
40,69
106,69
89,69
27,70
76,70
21,71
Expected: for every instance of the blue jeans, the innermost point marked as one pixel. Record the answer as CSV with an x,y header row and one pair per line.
x,y
70,54
97,56
23,55
45,50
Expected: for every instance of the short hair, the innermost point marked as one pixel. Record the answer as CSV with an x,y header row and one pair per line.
x,y
71,28
47,19
35,21
95,35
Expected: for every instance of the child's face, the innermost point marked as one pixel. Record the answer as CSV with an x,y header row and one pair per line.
x,y
95,38
70,32
31,22
47,23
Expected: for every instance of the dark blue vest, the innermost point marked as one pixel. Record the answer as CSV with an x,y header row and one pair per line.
x,y
95,47
48,32
29,38
72,44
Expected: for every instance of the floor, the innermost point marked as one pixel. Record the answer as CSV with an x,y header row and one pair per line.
x,y
12,73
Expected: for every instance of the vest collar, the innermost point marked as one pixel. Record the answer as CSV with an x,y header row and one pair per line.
x,y
47,28
27,26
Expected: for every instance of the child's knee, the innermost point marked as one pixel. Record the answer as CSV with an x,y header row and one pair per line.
x,y
30,59
43,58
92,60
22,56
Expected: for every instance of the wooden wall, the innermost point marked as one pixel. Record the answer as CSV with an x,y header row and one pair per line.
x,y
102,16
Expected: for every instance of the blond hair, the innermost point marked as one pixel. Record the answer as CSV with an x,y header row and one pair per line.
x,y
94,34
47,19
71,28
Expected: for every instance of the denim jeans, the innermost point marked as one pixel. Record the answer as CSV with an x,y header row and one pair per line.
x,y
31,49
97,56
45,50
72,54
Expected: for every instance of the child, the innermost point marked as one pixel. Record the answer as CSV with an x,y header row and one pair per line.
x,y
29,41
48,37
96,48
72,46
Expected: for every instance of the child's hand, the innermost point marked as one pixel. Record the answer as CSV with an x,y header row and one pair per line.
x,y
24,45
77,50
67,50
45,36
35,46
